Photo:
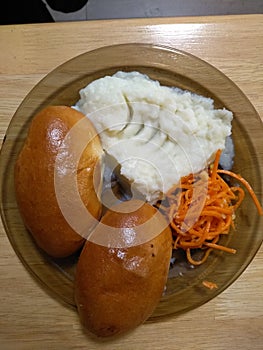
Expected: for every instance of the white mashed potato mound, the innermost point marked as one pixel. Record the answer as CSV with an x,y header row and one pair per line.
x,y
156,133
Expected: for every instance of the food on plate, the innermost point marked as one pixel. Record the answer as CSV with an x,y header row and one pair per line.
x,y
210,285
165,142
201,208
164,145
45,154
123,267
156,133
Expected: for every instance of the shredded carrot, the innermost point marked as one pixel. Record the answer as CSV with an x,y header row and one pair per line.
x,y
247,186
210,285
202,207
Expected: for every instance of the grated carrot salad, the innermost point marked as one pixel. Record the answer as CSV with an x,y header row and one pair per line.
x,y
202,207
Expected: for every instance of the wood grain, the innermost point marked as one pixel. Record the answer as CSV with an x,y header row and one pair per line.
x,y
29,317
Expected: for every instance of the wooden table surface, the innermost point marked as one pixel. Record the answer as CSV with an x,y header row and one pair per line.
x,y
29,317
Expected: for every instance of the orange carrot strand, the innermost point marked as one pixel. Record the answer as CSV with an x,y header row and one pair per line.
x,y
198,219
247,186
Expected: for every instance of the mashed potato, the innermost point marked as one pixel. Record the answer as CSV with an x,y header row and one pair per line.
x,y
156,133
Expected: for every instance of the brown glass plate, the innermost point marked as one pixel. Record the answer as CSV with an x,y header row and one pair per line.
x,y
173,68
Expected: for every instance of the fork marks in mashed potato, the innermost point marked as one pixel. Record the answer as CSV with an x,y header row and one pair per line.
x,y
156,133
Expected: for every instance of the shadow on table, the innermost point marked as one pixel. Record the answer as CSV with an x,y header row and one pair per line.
x,y
35,11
